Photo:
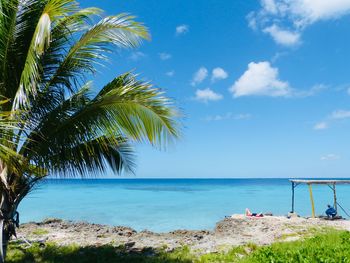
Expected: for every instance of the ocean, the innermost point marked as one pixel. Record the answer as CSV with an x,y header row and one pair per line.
x,y
167,204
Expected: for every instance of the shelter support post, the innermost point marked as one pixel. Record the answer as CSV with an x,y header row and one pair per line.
x,y
312,201
293,186
335,198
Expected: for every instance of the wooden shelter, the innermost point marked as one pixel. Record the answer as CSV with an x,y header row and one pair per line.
x,y
329,183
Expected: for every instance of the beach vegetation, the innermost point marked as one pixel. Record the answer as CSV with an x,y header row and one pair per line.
x,y
54,121
40,232
330,246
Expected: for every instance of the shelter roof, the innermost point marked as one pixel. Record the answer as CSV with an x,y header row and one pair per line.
x,y
313,181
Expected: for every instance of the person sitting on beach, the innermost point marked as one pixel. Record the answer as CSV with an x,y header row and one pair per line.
x,y
248,213
331,212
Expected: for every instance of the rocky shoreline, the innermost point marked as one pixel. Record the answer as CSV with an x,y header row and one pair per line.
x,y
231,231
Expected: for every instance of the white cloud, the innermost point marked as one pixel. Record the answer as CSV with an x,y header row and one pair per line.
x,y
330,157
218,74
309,11
321,125
340,114
269,5
333,117
348,91
135,56
252,20
309,92
200,75
305,12
205,95
229,116
277,56
165,56
170,73
260,79
182,29
242,116
283,37
296,14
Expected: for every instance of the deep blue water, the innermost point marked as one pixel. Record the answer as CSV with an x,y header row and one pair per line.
x,y
168,204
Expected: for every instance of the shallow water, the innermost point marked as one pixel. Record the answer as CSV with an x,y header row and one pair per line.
x,y
168,204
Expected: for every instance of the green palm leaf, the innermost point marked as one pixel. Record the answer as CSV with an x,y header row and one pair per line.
x,y
92,47
52,10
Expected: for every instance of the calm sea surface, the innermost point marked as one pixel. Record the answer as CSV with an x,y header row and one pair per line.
x,y
168,204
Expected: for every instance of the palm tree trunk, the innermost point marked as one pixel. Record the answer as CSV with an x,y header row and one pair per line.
x,y
4,240
4,236
7,224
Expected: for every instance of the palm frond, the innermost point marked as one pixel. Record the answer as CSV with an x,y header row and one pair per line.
x,y
7,29
125,105
41,38
93,157
121,31
139,104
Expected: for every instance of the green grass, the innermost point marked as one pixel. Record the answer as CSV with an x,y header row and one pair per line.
x,y
40,232
333,246
328,246
52,253
302,232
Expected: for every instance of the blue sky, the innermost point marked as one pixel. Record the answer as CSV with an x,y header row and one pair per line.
x,y
264,85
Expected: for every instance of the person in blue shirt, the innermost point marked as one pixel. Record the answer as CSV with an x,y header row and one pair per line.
x,y
331,212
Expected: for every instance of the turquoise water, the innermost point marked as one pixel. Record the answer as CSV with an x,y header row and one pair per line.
x,y
168,204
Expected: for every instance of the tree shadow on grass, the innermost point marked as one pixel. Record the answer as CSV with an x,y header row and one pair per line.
x,y
51,253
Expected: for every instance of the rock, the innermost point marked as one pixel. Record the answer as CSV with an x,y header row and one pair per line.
x,y
129,245
123,231
42,245
48,221
292,215
147,233
148,251
231,231
198,237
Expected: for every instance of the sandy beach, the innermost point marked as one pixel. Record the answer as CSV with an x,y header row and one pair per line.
x,y
231,231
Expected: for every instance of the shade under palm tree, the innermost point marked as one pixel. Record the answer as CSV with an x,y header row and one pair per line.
x,y
51,121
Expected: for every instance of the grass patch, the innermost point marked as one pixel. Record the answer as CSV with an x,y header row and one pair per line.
x,y
330,246
52,253
302,232
40,232
327,246
289,235
235,254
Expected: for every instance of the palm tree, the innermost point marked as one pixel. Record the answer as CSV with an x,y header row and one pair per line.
x,y
51,121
